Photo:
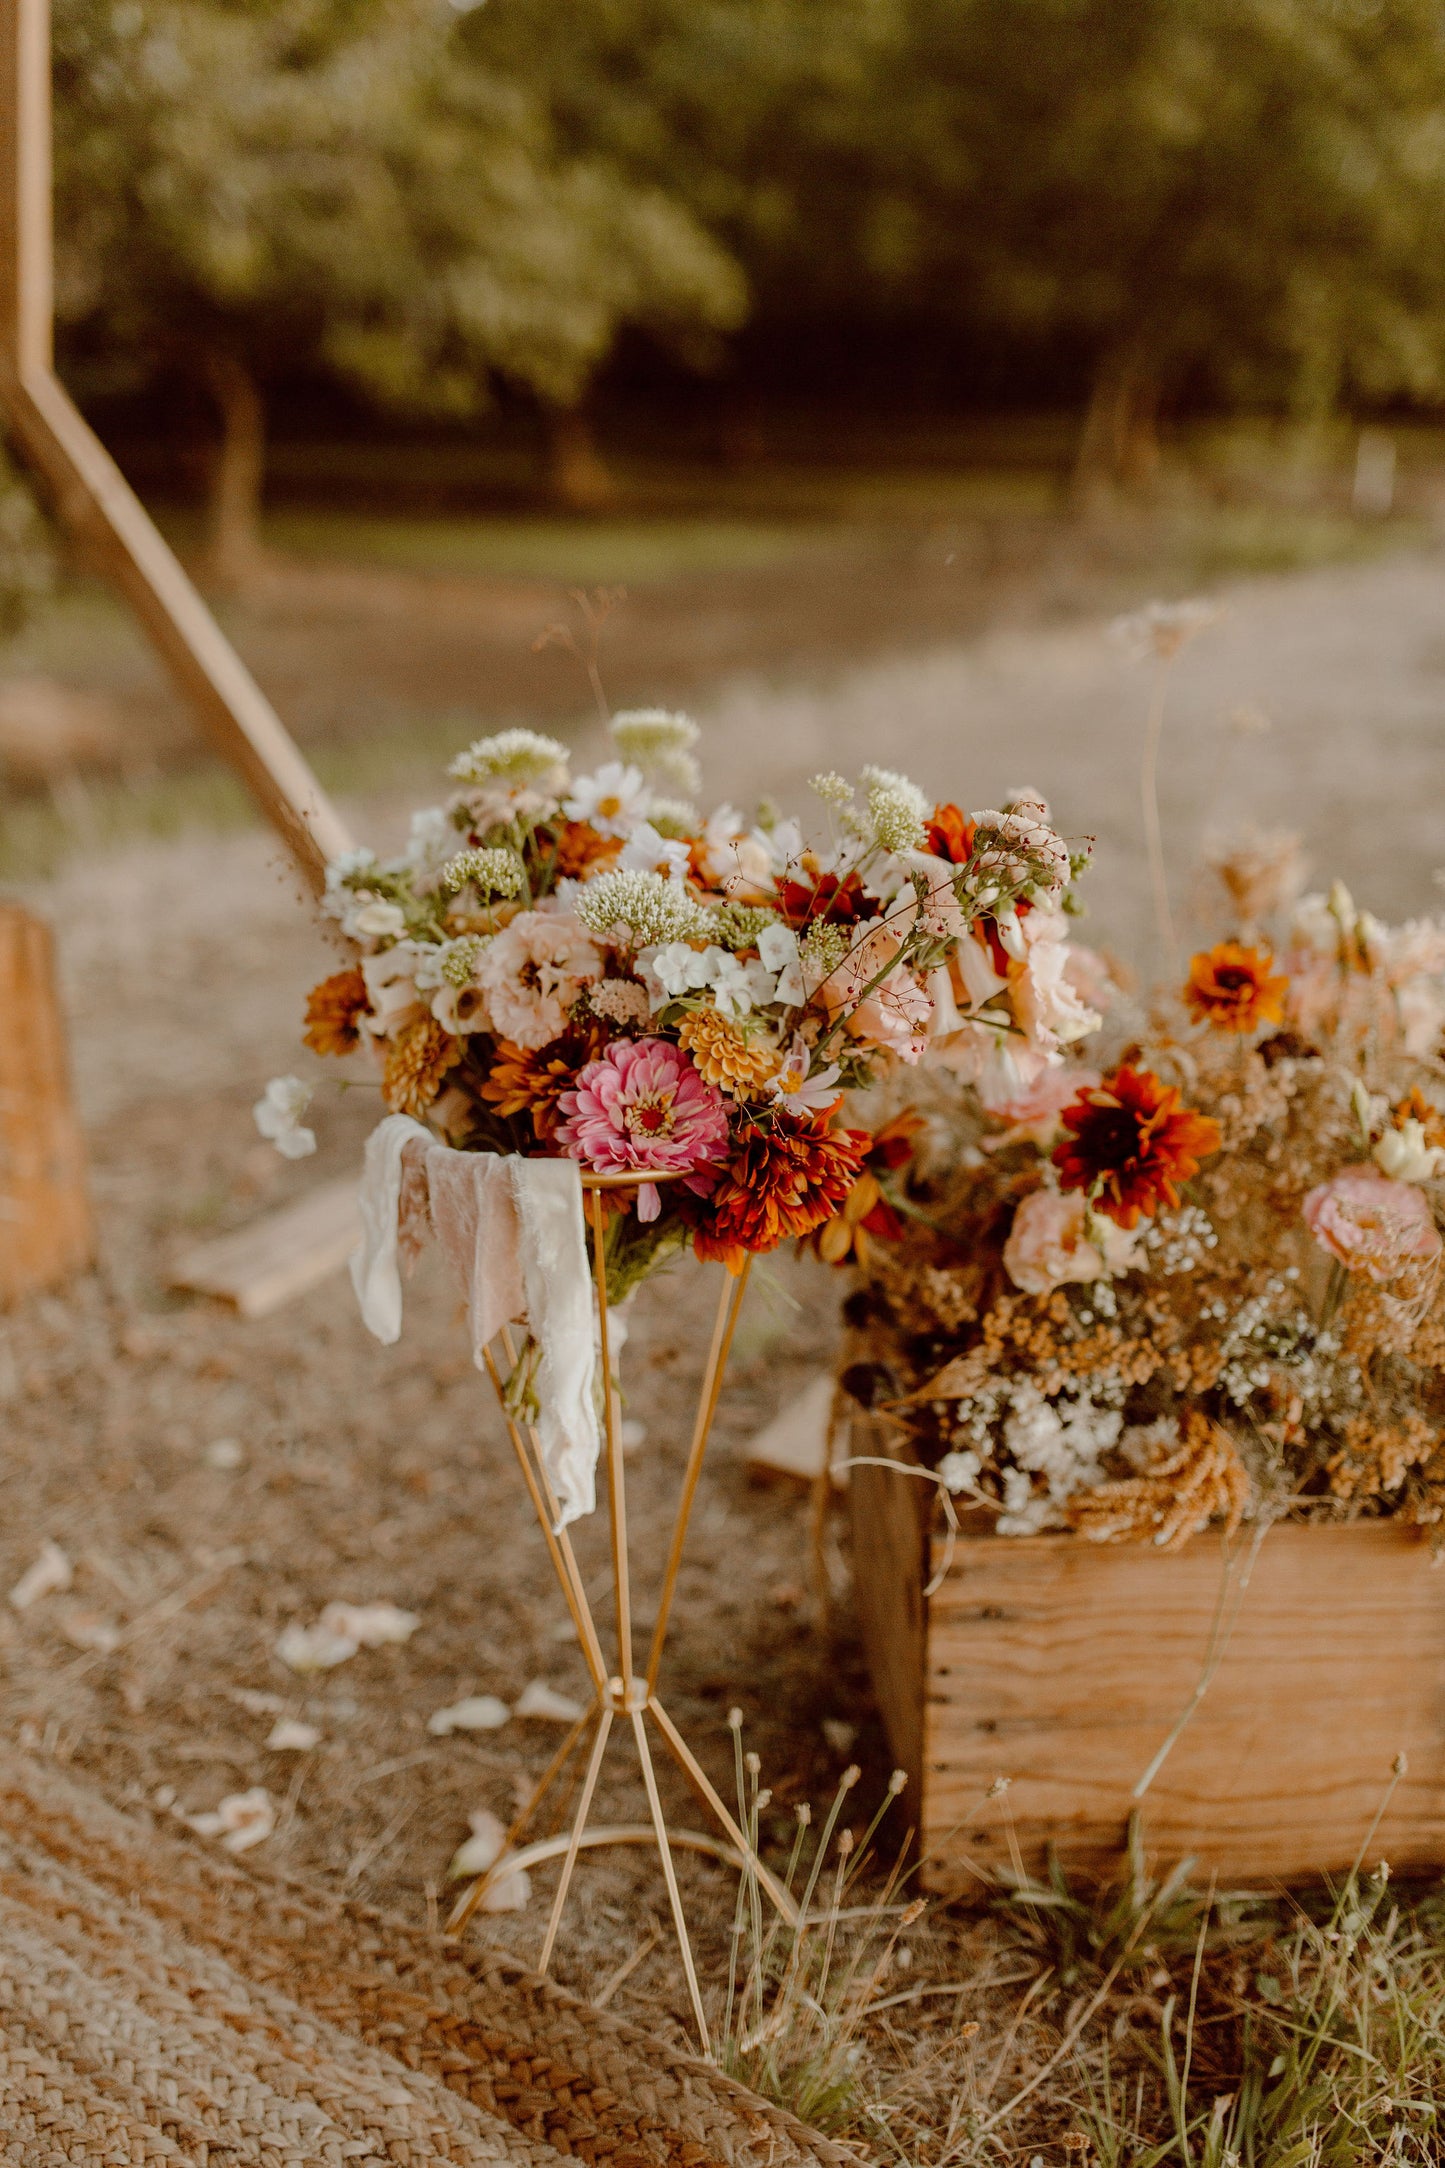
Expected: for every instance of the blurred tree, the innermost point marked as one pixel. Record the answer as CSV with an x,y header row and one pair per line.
x,y
1244,195
27,553
1248,193
245,184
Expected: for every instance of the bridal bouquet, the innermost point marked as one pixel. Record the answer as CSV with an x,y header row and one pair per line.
x,y
1195,1274
584,968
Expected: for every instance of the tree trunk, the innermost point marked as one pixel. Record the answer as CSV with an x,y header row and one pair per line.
x,y
233,552
1119,442
576,474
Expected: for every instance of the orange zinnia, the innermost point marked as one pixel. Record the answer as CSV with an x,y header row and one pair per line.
x,y
1230,987
526,1081
950,834
1130,1143
780,1181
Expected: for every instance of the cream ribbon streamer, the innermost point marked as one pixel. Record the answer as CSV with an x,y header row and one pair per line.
x,y
513,1233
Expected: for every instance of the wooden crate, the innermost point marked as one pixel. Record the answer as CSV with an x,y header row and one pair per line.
x,y
1063,1666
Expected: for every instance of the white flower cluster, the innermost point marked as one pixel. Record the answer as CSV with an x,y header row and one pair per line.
x,y
897,811
516,757
629,909
1053,1446
1180,1241
660,743
490,873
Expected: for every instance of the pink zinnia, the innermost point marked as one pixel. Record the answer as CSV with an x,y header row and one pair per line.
x,y
1371,1224
643,1104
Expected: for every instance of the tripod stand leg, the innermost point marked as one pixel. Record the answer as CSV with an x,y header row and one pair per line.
x,y
697,1777
584,1808
674,1894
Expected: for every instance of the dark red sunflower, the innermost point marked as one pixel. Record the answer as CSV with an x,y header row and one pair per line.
x,y
1231,987
1130,1143
777,1182
950,834
826,901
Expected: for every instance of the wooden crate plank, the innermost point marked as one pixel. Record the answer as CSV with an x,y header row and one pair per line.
x,y
279,1257
1062,1666
46,1231
887,1513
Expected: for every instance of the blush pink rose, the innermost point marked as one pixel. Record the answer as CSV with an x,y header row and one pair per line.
x,y
1033,1111
1371,1224
1049,1244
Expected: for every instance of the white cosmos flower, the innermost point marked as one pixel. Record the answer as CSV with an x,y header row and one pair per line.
x,y
797,1089
612,801
648,852
278,1116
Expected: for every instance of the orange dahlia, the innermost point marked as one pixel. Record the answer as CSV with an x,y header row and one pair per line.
x,y
1130,1143
581,850
530,1082
333,1010
777,1182
1230,987
416,1062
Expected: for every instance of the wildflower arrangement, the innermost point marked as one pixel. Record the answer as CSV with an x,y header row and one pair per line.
x,y
1191,1275
584,967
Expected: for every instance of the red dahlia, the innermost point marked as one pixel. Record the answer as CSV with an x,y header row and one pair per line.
x,y
1130,1143
777,1182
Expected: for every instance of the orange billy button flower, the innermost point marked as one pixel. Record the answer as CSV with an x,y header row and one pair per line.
x,y
333,1010
1130,1143
1231,987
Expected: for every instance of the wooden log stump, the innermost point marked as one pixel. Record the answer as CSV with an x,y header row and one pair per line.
x,y
45,1224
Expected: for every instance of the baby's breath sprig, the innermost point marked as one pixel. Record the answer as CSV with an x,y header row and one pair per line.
x,y
646,909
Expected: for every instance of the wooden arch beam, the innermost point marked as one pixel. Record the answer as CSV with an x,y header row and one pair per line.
x,y
91,496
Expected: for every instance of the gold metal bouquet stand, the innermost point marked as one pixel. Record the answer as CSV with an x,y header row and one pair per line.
x,y
625,1696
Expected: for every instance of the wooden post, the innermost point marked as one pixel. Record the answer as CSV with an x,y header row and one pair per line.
x,y
91,495
45,1226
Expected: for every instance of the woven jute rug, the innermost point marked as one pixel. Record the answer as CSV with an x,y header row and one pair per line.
x,y
161,2003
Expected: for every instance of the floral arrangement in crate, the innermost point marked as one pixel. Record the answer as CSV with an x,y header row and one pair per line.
x,y
584,967
1194,1274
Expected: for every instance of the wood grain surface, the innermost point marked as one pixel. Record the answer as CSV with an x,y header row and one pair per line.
x,y
45,1223
1049,1672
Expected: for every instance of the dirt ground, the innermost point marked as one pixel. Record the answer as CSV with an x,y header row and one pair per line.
x,y
350,1471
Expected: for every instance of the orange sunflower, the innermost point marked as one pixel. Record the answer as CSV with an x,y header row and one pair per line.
x,y
1230,987
333,1010
1130,1143
784,1180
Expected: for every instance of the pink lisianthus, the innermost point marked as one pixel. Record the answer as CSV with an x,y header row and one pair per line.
x,y
1371,1224
1051,1243
1032,1114
643,1105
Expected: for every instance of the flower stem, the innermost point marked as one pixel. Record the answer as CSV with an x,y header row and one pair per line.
x,y
1149,802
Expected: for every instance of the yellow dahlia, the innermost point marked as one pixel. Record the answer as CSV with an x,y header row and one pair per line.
x,y
725,1056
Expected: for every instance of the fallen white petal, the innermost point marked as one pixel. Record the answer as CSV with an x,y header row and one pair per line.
x,y
542,1700
225,1453
512,1889
291,1736
246,1697
49,1576
88,1630
370,1625
241,1819
479,1712
313,1648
